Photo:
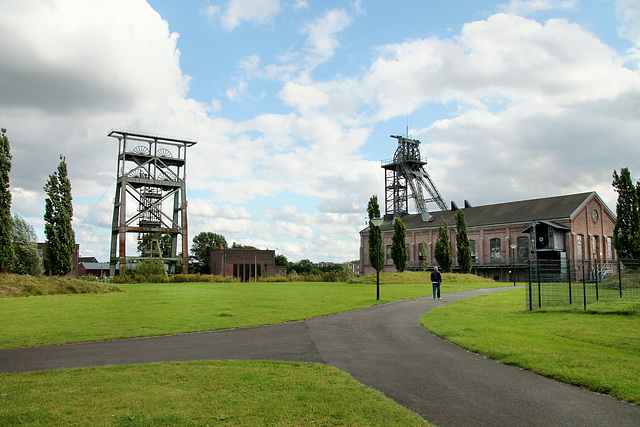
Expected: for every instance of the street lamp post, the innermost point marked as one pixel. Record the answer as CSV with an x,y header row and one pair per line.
x,y
377,222
513,261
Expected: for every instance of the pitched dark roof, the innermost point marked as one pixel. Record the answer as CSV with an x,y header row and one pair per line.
x,y
548,208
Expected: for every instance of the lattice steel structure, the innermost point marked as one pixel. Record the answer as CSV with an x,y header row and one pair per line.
x,y
407,171
151,174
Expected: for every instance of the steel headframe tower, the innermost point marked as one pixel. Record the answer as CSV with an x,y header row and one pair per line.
x,y
152,170
407,170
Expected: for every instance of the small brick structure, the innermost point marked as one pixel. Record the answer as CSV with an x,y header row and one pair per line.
x,y
244,264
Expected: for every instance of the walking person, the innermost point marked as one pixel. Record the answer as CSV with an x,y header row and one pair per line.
x,y
436,281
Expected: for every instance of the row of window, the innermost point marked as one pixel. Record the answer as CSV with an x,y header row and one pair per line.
x,y
495,249
594,246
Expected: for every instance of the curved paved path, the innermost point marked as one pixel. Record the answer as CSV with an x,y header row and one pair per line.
x,y
382,346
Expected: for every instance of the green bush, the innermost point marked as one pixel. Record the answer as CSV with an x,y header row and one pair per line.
x,y
150,267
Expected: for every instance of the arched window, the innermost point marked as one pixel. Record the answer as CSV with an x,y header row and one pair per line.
x,y
389,257
579,246
523,248
496,249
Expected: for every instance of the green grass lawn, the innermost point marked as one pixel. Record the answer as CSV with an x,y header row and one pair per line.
x,y
598,349
161,309
197,393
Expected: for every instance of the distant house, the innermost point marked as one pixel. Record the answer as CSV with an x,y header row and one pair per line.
x,y
577,226
97,269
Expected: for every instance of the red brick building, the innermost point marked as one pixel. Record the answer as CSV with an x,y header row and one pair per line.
x,y
577,226
243,264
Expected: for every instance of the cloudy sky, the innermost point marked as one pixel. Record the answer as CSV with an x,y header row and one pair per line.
x,y
293,102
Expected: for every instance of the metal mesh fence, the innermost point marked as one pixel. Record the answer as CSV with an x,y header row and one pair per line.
x,y
582,282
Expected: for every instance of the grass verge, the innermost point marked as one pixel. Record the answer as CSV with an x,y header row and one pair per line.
x,y
15,285
197,393
162,309
598,349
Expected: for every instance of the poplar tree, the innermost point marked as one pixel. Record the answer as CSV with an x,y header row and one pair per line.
x,y
6,224
58,213
375,235
626,232
399,245
462,244
442,251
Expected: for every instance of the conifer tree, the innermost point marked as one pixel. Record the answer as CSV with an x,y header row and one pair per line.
x,y
6,224
58,213
442,251
626,232
399,245
375,235
462,243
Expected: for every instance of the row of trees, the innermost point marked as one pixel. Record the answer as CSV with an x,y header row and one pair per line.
x,y
442,250
18,240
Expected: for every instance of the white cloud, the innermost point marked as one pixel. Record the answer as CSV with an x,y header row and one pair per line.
x,y
322,35
528,7
59,60
288,213
528,94
304,98
301,4
238,91
504,59
339,204
25,202
208,210
235,12
628,13
295,231
320,46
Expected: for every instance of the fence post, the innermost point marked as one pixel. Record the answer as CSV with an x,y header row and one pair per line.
x,y
569,277
584,287
620,276
530,286
538,272
597,270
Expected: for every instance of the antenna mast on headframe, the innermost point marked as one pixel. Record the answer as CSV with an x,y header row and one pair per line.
x,y
407,170
406,114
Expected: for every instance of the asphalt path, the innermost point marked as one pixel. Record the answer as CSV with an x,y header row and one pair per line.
x,y
382,346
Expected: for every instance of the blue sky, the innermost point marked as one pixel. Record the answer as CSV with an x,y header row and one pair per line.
x,y
293,102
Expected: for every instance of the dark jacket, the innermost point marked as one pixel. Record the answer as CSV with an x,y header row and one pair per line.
x,y
436,277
